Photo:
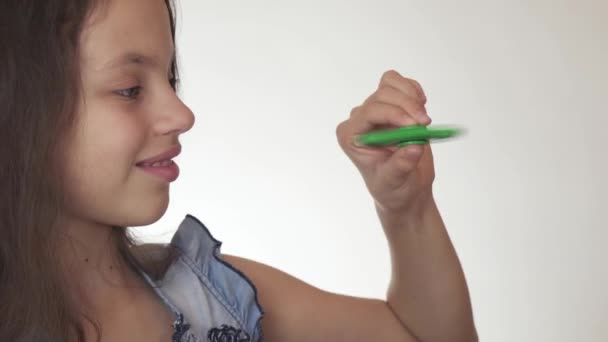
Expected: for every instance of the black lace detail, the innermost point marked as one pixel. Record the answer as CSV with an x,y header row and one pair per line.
x,y
179,328
227,333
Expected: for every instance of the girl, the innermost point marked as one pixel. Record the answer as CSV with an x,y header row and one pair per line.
x,y
89,125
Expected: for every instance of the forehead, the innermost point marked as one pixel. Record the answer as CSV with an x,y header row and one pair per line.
x,y
126,26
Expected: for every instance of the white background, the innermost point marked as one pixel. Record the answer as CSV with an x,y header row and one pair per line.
x,y
522,193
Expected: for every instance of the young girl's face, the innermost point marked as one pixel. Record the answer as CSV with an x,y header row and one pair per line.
x,y
129,112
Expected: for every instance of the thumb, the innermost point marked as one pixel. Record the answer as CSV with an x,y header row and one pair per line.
x,y
403,161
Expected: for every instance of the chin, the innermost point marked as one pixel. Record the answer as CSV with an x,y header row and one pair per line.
x,y
147,212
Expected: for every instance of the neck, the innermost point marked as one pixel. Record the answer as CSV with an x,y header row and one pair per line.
x,y
95,270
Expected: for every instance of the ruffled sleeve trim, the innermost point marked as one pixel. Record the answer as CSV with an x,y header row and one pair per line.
x,y
232,288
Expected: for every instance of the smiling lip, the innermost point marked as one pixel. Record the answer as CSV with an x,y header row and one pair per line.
x,y
161,165
167,155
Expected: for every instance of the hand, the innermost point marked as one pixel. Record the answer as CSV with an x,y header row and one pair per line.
x,y
397,177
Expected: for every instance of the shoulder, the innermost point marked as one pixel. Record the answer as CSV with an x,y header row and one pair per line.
x,y
210,292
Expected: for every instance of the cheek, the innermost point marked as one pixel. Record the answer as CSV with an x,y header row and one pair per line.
x,y
111,147
100,161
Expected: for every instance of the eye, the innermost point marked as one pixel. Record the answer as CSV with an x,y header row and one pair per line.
x,y
130,93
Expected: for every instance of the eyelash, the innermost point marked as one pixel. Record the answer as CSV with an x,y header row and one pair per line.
x,y
129,91
133,92
173,82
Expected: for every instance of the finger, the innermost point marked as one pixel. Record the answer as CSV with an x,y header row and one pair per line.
x,y
391,95
401,163
420,90
374,115
348,141
409,86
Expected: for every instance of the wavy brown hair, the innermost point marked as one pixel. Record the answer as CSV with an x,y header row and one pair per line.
x,y
39,88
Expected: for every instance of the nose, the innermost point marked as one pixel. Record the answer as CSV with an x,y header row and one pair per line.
x,y
174,117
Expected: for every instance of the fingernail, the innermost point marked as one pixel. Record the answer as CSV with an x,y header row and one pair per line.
x,y
413,152
357,142
423,117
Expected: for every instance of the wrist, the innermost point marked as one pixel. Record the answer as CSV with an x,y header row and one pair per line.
x,y
415,216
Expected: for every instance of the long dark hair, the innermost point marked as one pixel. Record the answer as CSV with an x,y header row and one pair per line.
x,y
39,81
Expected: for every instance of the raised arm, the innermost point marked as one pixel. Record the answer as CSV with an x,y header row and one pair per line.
x,y
427,298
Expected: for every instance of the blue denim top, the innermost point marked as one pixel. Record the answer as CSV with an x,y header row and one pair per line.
x,y
212,301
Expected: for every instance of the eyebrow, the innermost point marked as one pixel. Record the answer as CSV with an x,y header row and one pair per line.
x,y
132,58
